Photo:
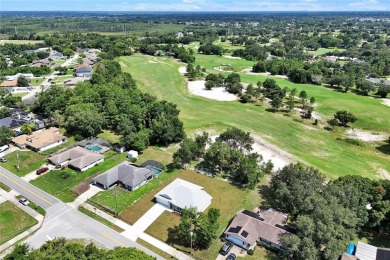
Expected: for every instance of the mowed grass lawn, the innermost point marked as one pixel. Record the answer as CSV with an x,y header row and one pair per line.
x,y
226,197
28,161
13,221
312,145
54,184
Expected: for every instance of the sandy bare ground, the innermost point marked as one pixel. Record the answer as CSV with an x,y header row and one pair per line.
x,y
365,135
197,88
248,71
231,57
384,174
386,101
152,61
183,70
221,69
278,157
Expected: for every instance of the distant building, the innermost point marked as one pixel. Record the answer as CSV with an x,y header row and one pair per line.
x,y
10,85
365,251
83,70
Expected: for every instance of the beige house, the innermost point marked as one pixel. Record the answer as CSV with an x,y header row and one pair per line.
x,y
41,140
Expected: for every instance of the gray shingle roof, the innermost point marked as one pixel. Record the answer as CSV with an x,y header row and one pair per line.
x,y
77,157
125,173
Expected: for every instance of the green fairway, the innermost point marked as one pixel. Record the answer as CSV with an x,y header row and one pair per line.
x,y
13,221
322,51
313,145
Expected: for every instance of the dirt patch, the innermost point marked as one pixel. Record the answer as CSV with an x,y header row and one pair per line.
x,y
197,88
224,69
365,135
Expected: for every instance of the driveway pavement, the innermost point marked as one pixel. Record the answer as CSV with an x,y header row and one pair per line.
x,y
92,191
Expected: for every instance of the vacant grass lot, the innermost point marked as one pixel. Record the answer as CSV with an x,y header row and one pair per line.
x,y
28,161
321,51
313,145
19,42
54,184
226,197
13,221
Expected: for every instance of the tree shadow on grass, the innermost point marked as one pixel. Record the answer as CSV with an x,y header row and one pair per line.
x,y
384,149
175,239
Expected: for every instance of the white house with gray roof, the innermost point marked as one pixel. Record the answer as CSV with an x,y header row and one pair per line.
x,y
126,173
181,194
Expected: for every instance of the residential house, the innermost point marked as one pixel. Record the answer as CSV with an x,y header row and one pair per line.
x,y
41,140
77,158
365,251
10,85
83,70
249,228
16,76
181,194
130,176
39,63
14,122
74,81
87,61
56,55
378,81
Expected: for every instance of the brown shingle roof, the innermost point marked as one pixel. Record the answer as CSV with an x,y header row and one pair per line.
x,y
40,139
251,228
9,83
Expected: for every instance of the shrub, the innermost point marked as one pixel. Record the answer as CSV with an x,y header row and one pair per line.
x,y
251,252
65,175
316,122
78,138
354,142
133,160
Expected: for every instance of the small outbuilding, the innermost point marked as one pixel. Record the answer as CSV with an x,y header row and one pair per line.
x,y
132,154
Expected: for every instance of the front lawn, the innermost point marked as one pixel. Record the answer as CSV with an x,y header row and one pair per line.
x,y
109,136
226,197
28,161
54,184
13,221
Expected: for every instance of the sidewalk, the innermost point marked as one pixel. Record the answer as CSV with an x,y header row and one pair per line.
x,y
92,191
133,232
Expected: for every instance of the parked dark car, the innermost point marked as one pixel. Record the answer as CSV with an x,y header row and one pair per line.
x,y
42,170
231,257
226,248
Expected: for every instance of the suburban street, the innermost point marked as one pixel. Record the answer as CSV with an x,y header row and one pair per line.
x,y
47,82
29,191
62,220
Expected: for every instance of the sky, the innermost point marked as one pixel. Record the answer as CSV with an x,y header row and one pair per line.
x,y
194,5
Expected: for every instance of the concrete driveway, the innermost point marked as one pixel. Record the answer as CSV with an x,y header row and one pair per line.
x,y
147,219
238,251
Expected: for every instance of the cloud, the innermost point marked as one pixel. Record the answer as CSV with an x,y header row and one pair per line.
x,y
364,3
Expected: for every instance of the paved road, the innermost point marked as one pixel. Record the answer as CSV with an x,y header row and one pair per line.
x,y
62,220
29,191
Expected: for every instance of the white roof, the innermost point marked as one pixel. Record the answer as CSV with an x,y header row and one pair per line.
x,y
185,194
365,251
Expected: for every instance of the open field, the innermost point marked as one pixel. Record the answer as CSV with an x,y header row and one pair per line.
x,y
28,161
19,42
311,144
13,221
109,136
227,45
20,94
322,51
63,189
37,81
226,197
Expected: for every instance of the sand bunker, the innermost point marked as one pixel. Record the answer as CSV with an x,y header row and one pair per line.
x,y
365,136
231,57
248,71
197,88
183,70
386,101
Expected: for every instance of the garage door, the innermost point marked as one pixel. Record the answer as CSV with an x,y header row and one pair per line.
x,y
163,202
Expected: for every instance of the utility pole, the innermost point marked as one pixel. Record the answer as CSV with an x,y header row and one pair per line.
x,y
116,201
17,157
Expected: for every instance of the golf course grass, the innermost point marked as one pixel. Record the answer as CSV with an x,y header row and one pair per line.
x,y
311,144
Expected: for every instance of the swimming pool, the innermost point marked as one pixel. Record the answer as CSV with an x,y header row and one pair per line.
x,y
94,148
154,170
